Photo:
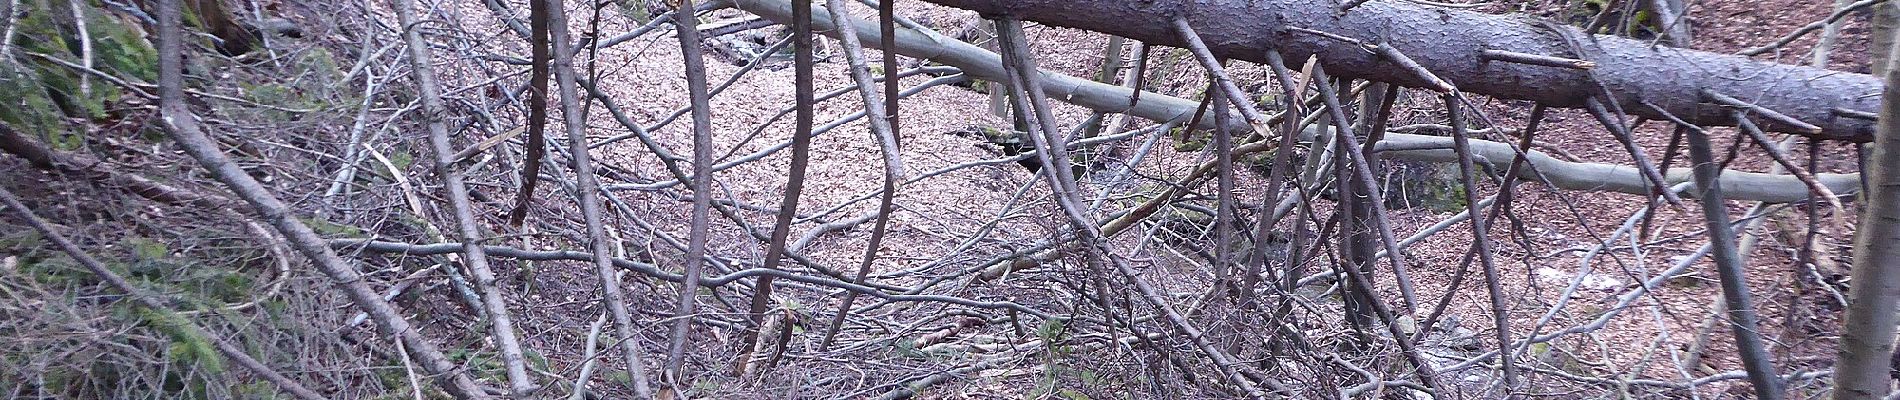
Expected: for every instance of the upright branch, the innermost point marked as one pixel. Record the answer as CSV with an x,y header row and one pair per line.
x,y
1224,241
1361,174
1613,122
1022,78
468,229
587,188
1671,16
536,142
1815,187
1730,269
183,127
9,23
1223,150
696,87
887,28
1867,334
1219,74
795,181
1481,235
884,132
1289,130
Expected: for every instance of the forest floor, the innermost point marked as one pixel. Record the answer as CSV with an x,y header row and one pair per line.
x,y
1560,226
1543,249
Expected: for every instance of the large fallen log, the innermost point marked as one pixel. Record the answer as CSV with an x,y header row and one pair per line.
x,y
1451,44
982,64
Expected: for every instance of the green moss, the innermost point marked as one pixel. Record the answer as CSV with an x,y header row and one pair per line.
x,y
119,46
327,228
483,365
147,249
1190,144
1071,394
18,239
323,73
618,377
55,270
634,10
1261,162
187,348
220,285
1641,25
256,390
1434,187
28,106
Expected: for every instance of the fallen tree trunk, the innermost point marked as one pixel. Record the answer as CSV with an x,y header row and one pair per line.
x,y
1450,44
983,64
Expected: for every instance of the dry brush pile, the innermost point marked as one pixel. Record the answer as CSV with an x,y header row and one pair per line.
x,y
256,199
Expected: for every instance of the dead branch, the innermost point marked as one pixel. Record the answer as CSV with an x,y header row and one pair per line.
x,y
468,230
183,127
588,190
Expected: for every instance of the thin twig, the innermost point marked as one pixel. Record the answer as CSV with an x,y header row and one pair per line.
x,y
696,88
1766,113
1613,122
1839,14
588,353
12,20
1534,59
1785,161
1364,178
1023,77
1432,81
536,144
85,45
1855,114
1481,237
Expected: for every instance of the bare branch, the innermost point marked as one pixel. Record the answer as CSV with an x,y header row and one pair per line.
x,y
184,129
588,189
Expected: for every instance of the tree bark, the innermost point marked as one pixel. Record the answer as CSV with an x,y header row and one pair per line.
x,y
587,193
983,64
1885,16
1867,334
1449,42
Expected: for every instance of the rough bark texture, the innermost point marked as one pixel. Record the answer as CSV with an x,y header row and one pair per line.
x,y
1867,334
983,64
1886,15
1448,43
